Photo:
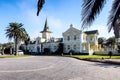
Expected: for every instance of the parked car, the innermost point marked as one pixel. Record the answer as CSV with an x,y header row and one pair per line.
x,y
20,52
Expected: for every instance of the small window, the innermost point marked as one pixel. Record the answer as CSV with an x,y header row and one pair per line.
x,y
55,47
75,37
68,47
38,42
74,47
84,47
68,38
91,38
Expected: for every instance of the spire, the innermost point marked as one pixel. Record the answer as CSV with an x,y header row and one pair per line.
x,y
46,27
71,25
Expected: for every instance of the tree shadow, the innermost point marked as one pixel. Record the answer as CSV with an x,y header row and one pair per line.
x,y
107,65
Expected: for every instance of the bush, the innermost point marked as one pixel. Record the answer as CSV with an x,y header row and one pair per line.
x,y
100,53
118,46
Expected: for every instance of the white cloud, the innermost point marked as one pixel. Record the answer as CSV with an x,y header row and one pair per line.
x,y
33,23
56,26
103,31
55,22
35,34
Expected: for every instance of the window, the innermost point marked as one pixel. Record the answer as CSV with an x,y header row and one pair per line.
x,y
68,47
84,37
75,37
68,38
55,47
91,38
38,42
84,47
74,47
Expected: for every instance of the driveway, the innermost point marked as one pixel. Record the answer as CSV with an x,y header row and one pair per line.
x,y
56,68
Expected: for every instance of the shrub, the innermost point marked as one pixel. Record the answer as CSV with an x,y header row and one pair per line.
x,y
100,53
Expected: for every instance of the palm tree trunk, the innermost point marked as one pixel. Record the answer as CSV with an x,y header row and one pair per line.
x,y
16,46
10,50
3,51
116,29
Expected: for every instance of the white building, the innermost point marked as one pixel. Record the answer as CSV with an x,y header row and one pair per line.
x,y
73,39
46,43
79,41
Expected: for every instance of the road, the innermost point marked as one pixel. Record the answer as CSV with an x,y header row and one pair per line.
x,y
56,68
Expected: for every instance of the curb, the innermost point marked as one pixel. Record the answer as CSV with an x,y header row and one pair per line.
x,y
100,60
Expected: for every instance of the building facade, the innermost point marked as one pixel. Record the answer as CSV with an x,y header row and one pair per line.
x,y
73,39
79,41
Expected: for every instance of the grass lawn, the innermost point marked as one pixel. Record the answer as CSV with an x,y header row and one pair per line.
x,y
94,57
13,56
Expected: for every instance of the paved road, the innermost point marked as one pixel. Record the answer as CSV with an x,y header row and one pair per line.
x,y
56,68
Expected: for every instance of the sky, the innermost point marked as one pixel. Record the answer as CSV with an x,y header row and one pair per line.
x,y
59,13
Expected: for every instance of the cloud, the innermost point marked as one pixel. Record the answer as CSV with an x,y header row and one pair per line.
x,y
35,34
33,23
56,26
103,30
55,22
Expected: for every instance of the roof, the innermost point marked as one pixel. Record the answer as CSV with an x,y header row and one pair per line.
x,y
46,28
91,32
72,29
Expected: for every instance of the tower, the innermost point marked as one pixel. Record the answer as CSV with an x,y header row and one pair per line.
x,y
46,33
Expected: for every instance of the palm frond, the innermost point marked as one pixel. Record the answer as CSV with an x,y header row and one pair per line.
x,y
91,8
39,6
15,30
114,15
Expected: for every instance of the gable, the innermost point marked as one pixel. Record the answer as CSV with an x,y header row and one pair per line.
x,y
72,31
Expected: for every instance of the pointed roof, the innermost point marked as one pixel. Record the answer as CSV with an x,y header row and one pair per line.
x,y
46,27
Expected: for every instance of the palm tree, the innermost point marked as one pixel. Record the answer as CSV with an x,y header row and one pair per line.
x,y
10,45
91,8
26,43
17,32
39,6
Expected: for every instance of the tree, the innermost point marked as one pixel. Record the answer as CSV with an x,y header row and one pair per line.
x,y
101,40
27,42
91,8
39,6
8,46
17,32
60,48
0,47
111,41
